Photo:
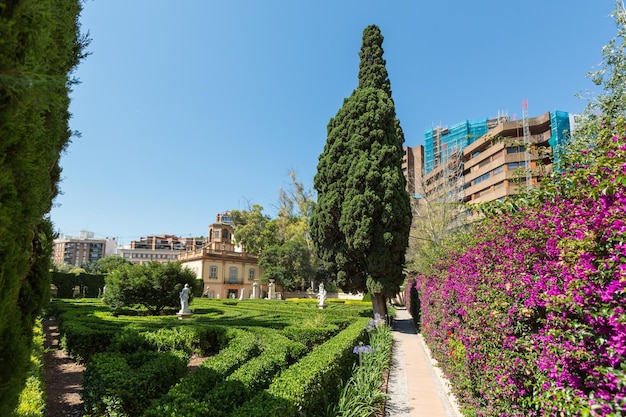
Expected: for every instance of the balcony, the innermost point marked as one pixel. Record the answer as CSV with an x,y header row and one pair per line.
x,y
233,281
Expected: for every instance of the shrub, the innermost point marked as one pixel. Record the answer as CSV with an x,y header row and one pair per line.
x,y
310,385
32,400
117,384
186,398
528,320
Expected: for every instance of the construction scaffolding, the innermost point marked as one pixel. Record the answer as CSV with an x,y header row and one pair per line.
x,y
442,142
561,131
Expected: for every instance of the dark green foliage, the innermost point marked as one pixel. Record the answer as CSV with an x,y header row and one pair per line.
x,y
277,353
110,263
154,286
288,264
242,361
310,336
39,47
82,342
186,398
308,386
91,285
361,223
65,283
126,384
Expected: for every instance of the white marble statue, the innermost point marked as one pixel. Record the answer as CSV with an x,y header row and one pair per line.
x,y
184,300
322,296
255,289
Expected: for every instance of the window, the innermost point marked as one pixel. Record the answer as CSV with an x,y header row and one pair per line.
x,y
232,274
251,274
213,273
216,234
498,170
482,178
515,165
515,149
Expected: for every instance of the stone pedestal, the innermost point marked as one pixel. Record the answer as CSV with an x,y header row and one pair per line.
x,y
183,315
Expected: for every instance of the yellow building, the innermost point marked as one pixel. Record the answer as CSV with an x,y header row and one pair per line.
x,y
226,271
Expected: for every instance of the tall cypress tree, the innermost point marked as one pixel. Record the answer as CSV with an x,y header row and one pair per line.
x,y
360,225
40,44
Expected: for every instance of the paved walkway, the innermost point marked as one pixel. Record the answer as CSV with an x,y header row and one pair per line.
x,y
416,386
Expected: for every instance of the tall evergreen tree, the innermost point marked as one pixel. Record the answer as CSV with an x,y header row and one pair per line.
x,y
40,44
360,225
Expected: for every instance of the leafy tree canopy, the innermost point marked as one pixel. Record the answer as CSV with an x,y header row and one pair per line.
x,y
110,263
254,231
154,286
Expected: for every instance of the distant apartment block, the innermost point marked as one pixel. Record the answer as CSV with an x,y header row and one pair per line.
x,y
488,159
79,250
159,248
505,161
413,168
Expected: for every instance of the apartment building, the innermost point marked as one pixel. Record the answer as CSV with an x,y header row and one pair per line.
x,y
413,169
79,250
225,270
158,248
505,161
488,159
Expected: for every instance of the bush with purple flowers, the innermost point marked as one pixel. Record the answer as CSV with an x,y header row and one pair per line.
x,y
526,314
530,319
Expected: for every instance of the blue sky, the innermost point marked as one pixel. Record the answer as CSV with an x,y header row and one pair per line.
x,y
193,107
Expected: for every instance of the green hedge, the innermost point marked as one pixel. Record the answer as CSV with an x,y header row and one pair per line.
x,y
310,337
116,384
82,342
309,386
91,285
186,398
255,374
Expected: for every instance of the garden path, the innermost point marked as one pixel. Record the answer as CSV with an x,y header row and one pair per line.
x,y
63,376
416,386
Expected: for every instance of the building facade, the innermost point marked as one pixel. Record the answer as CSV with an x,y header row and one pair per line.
x,y
159,248
505,161
413,168
489,159
79,250
225,271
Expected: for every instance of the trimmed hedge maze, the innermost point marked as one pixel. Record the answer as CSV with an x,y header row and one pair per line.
x,y
262,357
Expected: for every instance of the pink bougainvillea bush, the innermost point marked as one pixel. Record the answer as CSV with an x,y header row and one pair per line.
x,y
528,319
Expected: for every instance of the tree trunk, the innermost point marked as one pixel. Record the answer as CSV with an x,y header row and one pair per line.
x,y
379,305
